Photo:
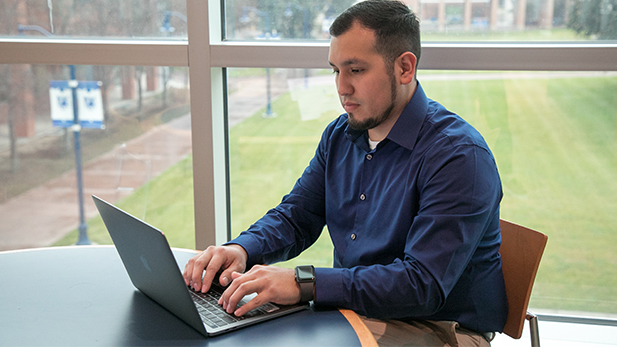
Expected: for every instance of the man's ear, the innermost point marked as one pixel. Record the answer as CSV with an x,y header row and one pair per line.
x,y
406,64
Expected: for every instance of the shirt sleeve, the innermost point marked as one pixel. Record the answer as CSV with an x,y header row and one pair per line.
x,y
459,192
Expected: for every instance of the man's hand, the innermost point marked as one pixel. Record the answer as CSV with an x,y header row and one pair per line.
x,y
271,283
229,258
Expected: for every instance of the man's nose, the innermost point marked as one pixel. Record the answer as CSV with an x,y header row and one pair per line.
x,y
343,86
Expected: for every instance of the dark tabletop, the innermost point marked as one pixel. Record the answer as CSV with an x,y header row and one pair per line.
x,y
82,296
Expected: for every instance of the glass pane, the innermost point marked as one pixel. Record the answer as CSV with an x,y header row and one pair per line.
x,y
441,20
276,117
110,18
553,135
554,147
139,159
274,19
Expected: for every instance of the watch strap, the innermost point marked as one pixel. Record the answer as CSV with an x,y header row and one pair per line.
x,y
305,277
306,291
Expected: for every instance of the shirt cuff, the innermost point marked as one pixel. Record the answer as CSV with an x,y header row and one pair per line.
x,y
329,287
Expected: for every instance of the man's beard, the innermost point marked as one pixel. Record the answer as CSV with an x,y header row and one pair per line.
x,y
372,122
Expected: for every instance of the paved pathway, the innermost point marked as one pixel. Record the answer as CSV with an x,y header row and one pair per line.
x,y
45,214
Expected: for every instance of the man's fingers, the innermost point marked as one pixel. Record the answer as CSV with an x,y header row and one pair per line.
x,y
211,270
228,276
234,293
249,306
188,273
194,269
248,286
270,283
235,274
212,260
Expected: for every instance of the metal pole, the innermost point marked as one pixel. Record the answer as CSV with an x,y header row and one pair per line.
x,y
73,84
268,113
83,228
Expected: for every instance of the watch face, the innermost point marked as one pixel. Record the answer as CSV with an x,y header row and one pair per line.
x,y
305,273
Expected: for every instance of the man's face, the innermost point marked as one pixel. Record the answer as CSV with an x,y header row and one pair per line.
x,y
365,84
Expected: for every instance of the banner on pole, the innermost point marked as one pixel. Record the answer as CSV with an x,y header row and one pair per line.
x,y
89,104
61,99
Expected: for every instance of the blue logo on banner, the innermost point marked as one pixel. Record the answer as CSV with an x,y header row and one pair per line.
x,y
63,101
90,102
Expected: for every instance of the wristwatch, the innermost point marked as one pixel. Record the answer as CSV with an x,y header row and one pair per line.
x,y
305,276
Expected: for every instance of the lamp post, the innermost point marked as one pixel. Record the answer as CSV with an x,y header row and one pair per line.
x,y
73,84
83,227
267,35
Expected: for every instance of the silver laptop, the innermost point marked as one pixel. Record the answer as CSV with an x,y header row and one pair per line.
x,y
151,265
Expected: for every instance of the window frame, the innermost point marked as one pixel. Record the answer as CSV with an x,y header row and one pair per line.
x,y
547,56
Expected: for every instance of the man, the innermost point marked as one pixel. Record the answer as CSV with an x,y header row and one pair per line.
x,y
410,194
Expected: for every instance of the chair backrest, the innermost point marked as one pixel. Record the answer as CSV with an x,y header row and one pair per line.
x,y
521,251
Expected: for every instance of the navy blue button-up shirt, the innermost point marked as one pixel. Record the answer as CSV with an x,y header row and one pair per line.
x,y
414,222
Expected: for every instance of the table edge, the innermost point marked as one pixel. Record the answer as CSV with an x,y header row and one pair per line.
x,y
364,334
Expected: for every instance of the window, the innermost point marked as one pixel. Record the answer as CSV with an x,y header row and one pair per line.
x,y
276,117
138,157
448,20
570,191
95,19
552,135
555,164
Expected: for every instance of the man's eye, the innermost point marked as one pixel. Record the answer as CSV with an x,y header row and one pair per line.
x,y
356,70
335,71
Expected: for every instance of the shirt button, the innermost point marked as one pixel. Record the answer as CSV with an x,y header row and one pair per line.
x,y
369,156
362,197
353,236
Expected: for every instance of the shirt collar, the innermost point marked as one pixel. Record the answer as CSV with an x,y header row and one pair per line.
x,y
406,129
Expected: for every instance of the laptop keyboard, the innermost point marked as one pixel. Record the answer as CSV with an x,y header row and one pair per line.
x,y
213,314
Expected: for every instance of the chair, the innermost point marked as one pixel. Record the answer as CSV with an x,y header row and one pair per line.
x,y
521,251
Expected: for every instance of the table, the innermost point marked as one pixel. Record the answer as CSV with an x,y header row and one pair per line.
x,y
82,296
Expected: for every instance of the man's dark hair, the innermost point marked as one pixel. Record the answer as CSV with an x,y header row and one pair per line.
x,y
396,27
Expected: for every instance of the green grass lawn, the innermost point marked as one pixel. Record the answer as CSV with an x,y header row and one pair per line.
x,y
554,141
267,155
165,202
